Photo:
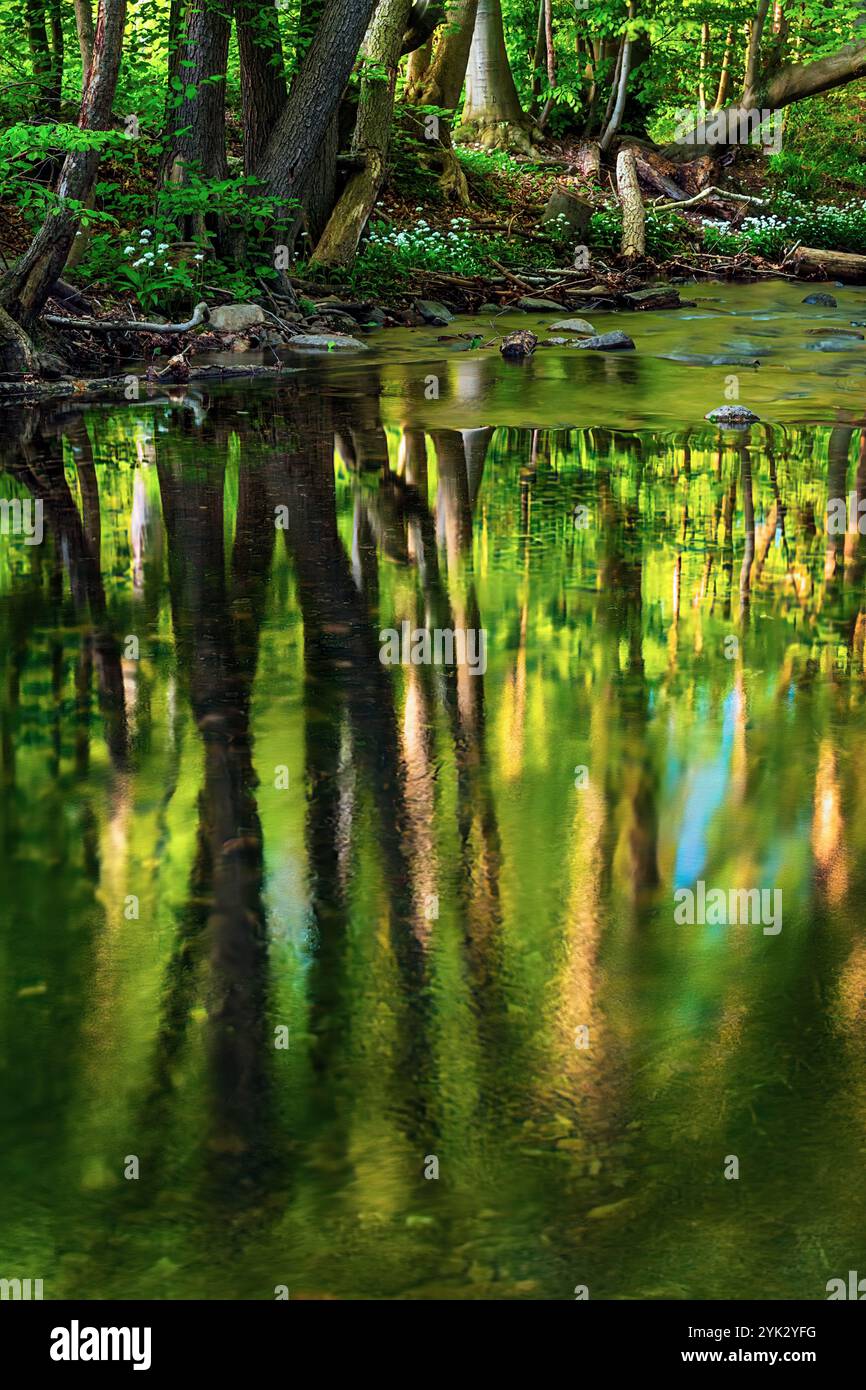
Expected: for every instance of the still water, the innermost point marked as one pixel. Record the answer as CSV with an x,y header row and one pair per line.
x,y
284,929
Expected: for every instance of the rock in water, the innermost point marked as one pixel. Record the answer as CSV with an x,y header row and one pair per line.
x,y
325,342
607,342
733,416
521,343
826,300
573,326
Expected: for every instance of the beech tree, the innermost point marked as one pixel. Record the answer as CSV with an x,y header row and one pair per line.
x,y
492,114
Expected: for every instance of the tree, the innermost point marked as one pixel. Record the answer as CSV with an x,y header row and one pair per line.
x,y
770,84
492,113
288,166
263,78
26,285
339,241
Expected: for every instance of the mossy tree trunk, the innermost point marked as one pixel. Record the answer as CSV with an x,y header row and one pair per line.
x,y
339,242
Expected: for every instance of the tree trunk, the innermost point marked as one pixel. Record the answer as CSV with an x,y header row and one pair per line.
x,y
263,79
417,69
84,27
204,49
753,50
17,354
787,85
705,58
492,113
55,19
441,85
25,287
40,53
622,87
339,242
725,75
443,79
291,155
837,265
633,229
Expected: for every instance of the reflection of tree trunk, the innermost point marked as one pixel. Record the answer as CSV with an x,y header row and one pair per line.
x,y
43,473
218,630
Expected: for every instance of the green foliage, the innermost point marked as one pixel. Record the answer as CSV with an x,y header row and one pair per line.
x,y
788,220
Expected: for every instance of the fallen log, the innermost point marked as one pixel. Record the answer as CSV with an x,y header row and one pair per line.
x,y
201,314
837,265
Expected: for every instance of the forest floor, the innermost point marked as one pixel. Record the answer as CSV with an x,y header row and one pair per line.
x,y
424,259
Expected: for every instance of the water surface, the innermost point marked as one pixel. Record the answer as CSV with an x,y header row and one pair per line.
x,y
227,826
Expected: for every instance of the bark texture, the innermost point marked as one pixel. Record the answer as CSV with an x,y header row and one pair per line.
x,y
263,80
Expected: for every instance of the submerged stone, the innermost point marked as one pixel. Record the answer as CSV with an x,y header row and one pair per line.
x,y
826,300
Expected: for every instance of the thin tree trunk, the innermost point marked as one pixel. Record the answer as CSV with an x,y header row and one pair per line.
x,y
619,105
705,57
55,90
25,287
37,39
753,50
263,78
84,27
538,58
725,75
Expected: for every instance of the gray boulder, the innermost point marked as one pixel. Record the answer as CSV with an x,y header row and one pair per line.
x,y
531,305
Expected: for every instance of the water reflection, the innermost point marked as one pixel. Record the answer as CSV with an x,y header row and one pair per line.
x,y
228,824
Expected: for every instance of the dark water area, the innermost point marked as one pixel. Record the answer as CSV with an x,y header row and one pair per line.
x,y
284,928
